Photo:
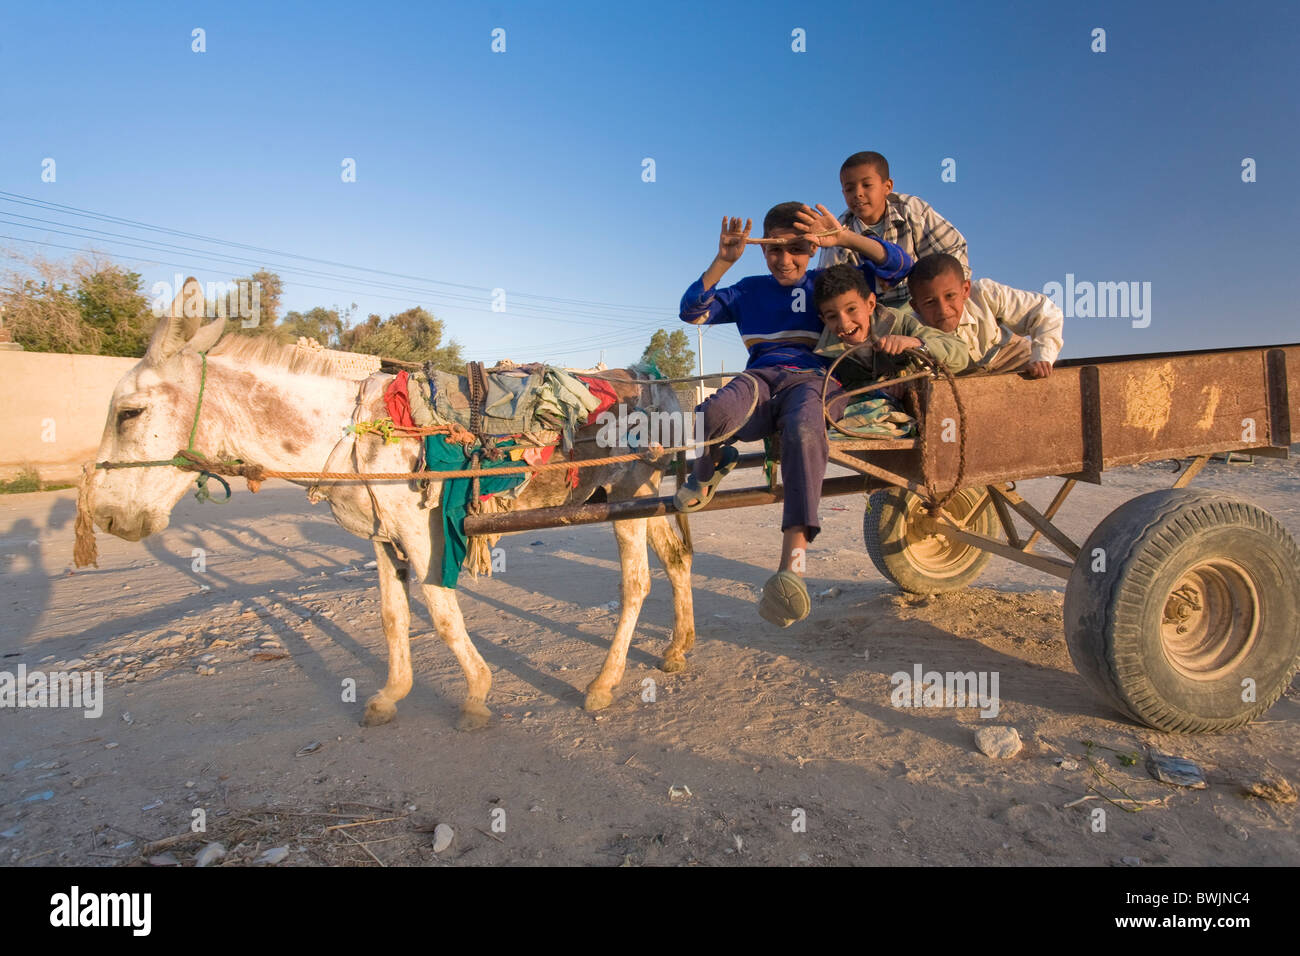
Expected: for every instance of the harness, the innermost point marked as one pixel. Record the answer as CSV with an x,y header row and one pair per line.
x,y
188,458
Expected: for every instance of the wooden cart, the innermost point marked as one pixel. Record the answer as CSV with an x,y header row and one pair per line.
x,y
1182,608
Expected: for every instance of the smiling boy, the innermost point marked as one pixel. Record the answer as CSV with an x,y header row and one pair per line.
x,y
851,314
907,221
1005,329
780,327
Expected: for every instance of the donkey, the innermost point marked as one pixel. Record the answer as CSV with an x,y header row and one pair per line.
x,y
283,407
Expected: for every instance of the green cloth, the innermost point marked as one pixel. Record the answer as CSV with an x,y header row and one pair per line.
x,y
648,368
441,455
869,366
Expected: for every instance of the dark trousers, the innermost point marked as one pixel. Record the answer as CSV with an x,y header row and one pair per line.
x,y
790,401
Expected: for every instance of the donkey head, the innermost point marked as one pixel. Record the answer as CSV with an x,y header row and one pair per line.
x,y
150,418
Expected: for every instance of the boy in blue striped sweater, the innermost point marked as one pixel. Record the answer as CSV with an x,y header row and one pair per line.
x,y
778,321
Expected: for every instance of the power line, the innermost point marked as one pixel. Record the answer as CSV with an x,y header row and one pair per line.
x,y
527,311
75,210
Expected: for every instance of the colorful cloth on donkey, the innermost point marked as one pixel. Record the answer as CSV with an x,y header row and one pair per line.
x,y
525,399
530,403
442,455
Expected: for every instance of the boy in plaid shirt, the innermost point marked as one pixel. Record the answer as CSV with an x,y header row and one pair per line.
x,y
907,221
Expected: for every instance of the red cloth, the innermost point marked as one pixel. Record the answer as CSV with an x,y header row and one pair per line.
x,y
603,391
539,456
398,402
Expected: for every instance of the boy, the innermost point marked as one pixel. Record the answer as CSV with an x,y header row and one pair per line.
x,y
908,222
850,313
779,324
1005,329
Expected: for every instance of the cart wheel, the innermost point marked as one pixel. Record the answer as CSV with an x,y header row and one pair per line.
x,y
905,547
1188,623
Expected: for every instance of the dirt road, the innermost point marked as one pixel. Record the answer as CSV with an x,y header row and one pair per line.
x,y
774,747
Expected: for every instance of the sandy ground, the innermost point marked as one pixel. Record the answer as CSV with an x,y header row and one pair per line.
x,y
765,730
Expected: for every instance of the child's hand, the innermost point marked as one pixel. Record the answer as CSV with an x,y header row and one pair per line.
x,y
1038,370
822,220
731,243
895,344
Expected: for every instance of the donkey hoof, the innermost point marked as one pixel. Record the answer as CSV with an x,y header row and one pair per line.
x,y
597,699
673,665
473,717
378,711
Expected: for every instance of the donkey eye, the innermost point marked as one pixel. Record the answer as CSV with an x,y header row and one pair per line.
x,y
126,414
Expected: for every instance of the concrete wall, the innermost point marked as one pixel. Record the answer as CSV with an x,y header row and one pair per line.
x,y
54,409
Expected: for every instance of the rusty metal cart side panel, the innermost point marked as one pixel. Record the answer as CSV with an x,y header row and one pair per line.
x,y
1014,428
1085,418
1177,406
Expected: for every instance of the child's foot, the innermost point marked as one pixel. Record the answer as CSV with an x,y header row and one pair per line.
x,y
695,494
785,599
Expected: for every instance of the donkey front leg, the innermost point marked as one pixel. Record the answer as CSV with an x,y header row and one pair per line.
x,y
425,554
395,611
675,555
635,565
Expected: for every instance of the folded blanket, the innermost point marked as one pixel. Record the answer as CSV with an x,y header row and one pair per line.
x,y
875,416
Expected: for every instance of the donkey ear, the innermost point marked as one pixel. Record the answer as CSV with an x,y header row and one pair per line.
x,y
179,325
207,336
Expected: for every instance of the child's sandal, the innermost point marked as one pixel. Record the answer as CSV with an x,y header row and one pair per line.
x,y
785,599
692,495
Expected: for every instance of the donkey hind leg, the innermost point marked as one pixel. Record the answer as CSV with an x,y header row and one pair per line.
x,y
674,554
635,564
395,610
425,554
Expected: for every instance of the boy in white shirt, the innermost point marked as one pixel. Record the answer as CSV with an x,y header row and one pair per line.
x,y
1005,329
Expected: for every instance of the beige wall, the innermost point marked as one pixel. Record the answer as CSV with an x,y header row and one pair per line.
x,y
49,395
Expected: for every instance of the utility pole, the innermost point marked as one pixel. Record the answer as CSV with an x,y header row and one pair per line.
x,y
699,355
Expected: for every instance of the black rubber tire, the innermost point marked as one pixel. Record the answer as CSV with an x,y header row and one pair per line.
x,y
1115,619
884,529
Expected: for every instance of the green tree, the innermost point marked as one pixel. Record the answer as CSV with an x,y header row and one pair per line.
x,y
672,354
111,303
270,288
412,336
324,325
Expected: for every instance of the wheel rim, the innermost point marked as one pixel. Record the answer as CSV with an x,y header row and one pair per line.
x,y
1211,619
934,554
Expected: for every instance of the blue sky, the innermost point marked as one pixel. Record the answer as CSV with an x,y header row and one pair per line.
x,y
522,170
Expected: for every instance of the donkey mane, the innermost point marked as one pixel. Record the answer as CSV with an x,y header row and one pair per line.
x,y
260,350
